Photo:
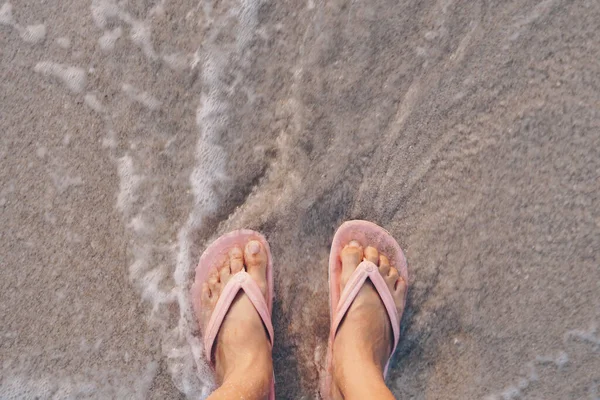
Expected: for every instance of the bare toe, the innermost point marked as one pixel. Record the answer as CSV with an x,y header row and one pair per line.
x,y
371,254
224,272
351,255
205,293
392,278
255,255
400,293
236,260
255,259
208,303
384,265
213,281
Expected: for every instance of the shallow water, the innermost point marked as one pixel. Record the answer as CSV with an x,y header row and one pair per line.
x,y
136,132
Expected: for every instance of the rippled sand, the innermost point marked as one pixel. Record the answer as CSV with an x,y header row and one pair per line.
x,y
135,132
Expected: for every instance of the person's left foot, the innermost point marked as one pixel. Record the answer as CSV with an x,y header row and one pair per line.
x,y
242,352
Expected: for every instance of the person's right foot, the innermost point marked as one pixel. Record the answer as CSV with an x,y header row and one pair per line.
x,y
242,352
364,339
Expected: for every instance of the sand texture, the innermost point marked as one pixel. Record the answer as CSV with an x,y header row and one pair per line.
x,y
134,132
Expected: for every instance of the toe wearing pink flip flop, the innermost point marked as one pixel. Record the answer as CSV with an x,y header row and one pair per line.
x,y
367,234
241,281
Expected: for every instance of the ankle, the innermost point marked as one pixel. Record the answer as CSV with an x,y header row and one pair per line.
x,y
354,364
251,385
364,344
233,359
250,375
360,380
253,366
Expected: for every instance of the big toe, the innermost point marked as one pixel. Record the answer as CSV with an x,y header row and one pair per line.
x,y
255,259
351,255
236,260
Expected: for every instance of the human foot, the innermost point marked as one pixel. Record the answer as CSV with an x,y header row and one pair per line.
x,y
242,351
364,339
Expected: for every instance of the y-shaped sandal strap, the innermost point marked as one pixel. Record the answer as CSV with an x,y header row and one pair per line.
x,y
240,281
368,270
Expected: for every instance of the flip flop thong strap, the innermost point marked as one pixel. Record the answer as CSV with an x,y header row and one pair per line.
x,y
367,270
240,281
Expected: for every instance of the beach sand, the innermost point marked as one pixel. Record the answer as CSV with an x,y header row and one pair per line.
x,y
136,132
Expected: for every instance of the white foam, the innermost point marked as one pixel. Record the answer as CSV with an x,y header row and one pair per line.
x,y
30,33
103,11
211,118
141,34
144,382
49,217
62,181
533,375
559,360
540,10
138,225
150,271
6,17
21,387
158,10
144,98
589,336
523,384
73,237
41,152
108,40
64,42
176,61
140,31
510,393
90,384
72,77
93,102
594,394
33,33
145,272
110,141
149,280
129,183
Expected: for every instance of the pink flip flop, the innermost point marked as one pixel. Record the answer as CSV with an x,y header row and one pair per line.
x,y
241,281
367,234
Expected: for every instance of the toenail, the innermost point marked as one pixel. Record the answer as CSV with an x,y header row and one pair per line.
x,y
253,247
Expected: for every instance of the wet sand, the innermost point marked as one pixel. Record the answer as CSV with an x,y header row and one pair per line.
x,y
135,133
